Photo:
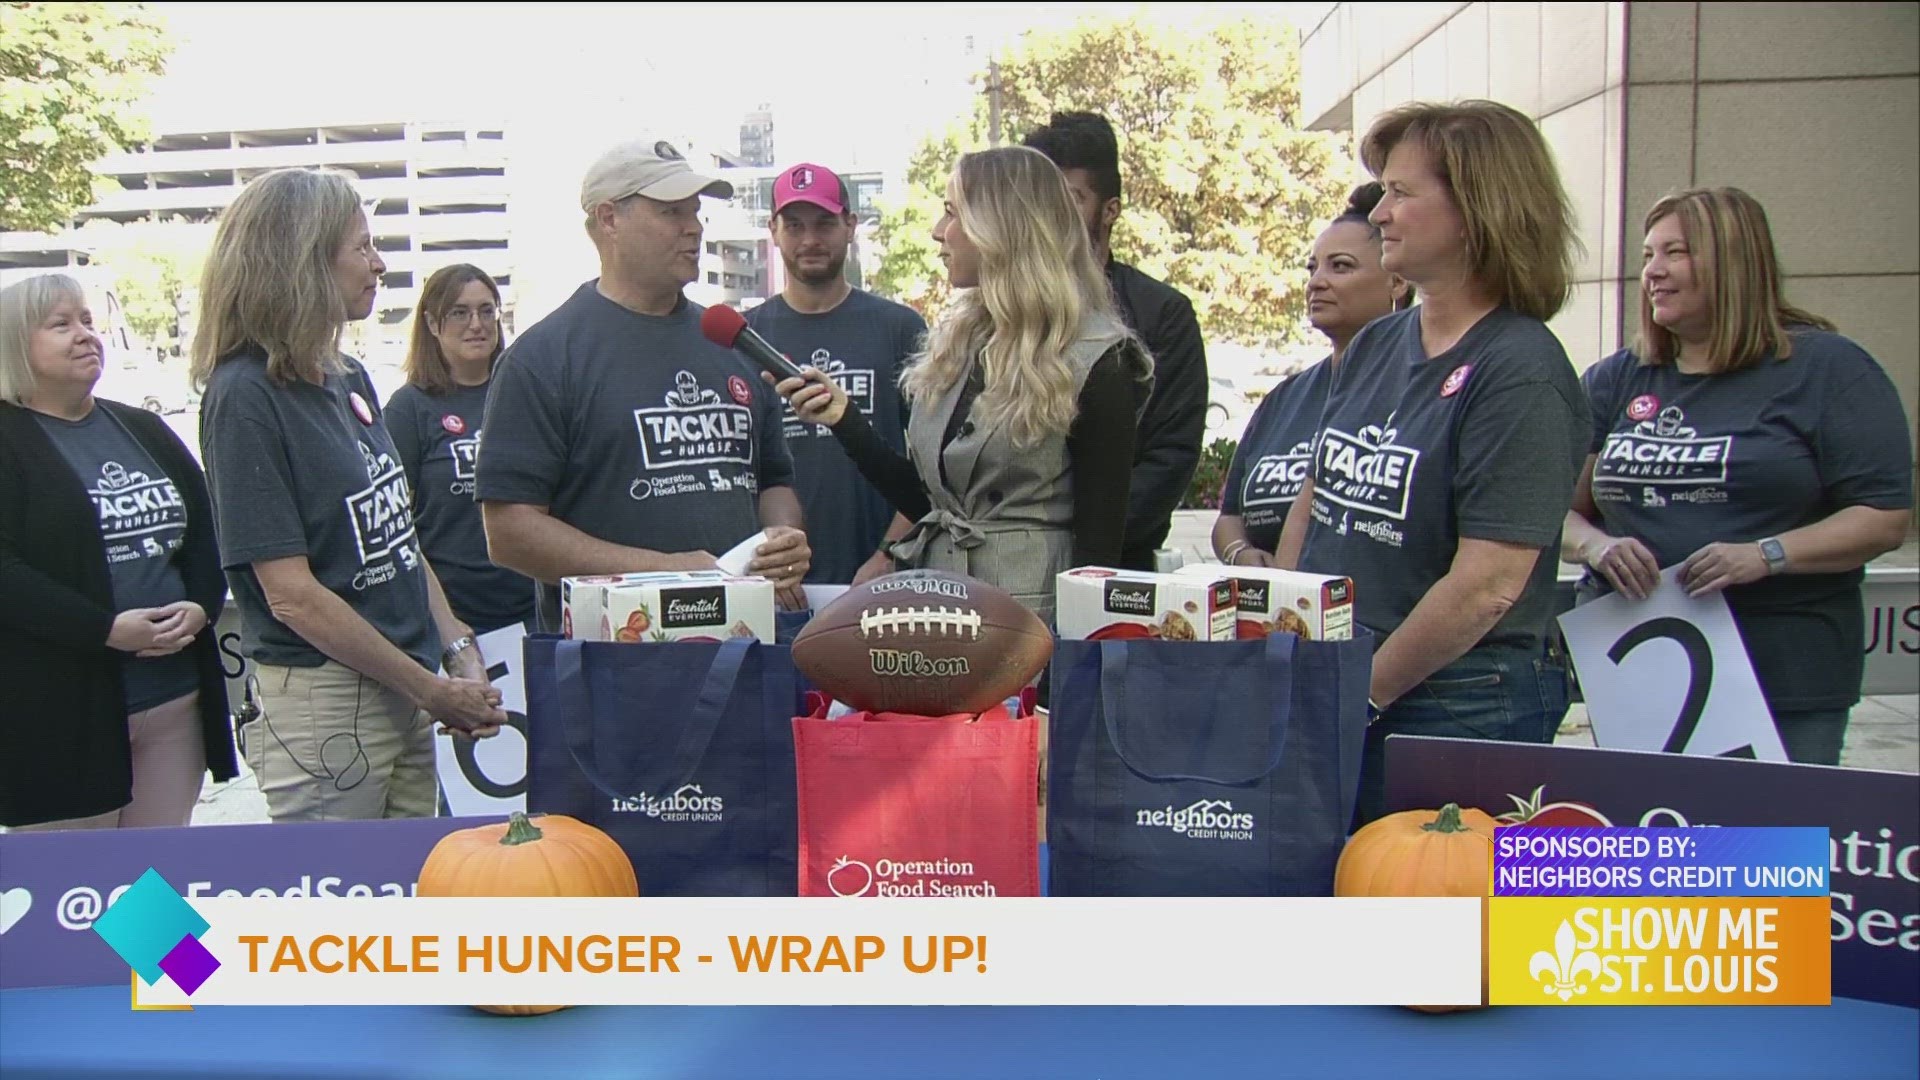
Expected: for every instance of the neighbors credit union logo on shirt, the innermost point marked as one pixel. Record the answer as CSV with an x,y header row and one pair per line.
x,y
695,427
1366,471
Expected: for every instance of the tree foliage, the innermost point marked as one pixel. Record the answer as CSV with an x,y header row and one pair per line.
x,y
1223,192
71,77
153,267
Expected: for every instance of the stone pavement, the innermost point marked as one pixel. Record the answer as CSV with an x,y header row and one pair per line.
x,y
1884,733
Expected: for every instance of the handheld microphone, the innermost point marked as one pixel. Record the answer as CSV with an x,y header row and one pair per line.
x,y
728,329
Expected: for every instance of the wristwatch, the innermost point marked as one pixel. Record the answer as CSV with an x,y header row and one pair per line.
x,y
455,648
1772,550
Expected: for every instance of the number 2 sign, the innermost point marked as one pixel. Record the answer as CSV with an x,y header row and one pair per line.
x,y
1669,673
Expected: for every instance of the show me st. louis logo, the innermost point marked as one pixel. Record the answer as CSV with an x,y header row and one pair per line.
x,y
157,932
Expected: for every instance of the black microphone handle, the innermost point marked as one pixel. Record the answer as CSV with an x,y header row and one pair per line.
x,y
757,349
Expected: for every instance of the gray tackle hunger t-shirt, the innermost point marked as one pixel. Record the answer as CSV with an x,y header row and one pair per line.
x,y
299,469
1683,461
863,344
1484,441
438,437
143,522
1275,455
633,429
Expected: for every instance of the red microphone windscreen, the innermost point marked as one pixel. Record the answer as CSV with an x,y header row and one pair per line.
x,y
721,325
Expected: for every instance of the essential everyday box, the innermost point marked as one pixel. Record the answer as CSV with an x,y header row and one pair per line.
x,y
698,606
1315,606
1094,602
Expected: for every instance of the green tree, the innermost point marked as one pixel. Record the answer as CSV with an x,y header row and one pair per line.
x,y
1223,192
71,76
909,270
153,267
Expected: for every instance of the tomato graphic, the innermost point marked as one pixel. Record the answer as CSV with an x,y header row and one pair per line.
x,y
1531,811
849,877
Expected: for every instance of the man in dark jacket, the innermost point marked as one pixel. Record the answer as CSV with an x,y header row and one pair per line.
x,y
1085,148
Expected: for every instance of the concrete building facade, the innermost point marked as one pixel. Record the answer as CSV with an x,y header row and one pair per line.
x,y
1813,108
437,194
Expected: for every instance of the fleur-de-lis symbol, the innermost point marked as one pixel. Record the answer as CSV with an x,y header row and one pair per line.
x,y
1558,971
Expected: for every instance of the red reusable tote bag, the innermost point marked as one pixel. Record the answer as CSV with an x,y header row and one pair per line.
x,y
897,805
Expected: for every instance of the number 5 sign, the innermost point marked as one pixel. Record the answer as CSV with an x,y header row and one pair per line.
x,y
1669,673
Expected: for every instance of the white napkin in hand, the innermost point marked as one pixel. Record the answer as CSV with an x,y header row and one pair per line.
x,y
735,561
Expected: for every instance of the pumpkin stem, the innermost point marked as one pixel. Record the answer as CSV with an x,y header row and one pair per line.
x,y
520,830
1447,822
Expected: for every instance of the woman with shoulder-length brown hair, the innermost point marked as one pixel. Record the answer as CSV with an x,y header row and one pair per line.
x,y
1448,431
1744,440
435,422
343,619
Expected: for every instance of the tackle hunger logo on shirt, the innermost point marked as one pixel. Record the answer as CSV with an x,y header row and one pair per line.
x,y
382,512
1663,449
1276,479
1366,471
695,427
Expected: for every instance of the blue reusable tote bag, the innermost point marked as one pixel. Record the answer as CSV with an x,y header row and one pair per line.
x,y
680,751
1204,768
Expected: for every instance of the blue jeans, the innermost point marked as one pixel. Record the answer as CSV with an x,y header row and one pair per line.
x,y
1506,695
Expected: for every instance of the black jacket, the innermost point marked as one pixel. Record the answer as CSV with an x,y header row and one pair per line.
x,y
1168,449
63,714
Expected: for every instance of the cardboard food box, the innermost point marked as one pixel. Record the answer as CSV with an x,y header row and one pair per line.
x,y
1314,606
1094,602
701,606
580,599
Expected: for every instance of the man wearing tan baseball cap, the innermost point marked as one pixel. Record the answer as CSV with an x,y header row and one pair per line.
x,y
618,438
649,167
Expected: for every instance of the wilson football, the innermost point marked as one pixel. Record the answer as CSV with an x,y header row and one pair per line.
x,y
923,642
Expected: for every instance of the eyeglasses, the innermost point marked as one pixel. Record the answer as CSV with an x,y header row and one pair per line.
x,y
463,315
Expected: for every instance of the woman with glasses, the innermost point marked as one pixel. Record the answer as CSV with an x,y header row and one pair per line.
x,y
435,422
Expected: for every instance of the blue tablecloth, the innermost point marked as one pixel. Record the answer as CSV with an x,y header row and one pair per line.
x,y
91,1032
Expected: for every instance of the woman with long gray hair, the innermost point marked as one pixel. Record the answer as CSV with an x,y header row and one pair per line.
x,y
342,617
1025,400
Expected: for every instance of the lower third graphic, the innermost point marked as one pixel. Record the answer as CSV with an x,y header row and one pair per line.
x,y
157,932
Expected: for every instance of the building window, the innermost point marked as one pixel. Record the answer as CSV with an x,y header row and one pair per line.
x,y
713,278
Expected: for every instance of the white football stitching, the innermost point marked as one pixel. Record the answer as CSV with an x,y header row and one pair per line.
x,y
877,621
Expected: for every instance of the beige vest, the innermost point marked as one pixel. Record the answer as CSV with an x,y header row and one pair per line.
x,y
1006,517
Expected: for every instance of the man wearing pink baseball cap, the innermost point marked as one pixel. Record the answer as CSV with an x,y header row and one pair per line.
x,y
860,340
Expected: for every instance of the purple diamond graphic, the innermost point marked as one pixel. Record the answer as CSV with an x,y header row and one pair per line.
x,y
189,964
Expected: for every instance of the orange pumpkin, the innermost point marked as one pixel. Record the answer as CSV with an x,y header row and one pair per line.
x,y
558,856
1444,852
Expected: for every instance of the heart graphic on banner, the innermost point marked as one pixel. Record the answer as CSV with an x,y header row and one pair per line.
x,y
14,904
